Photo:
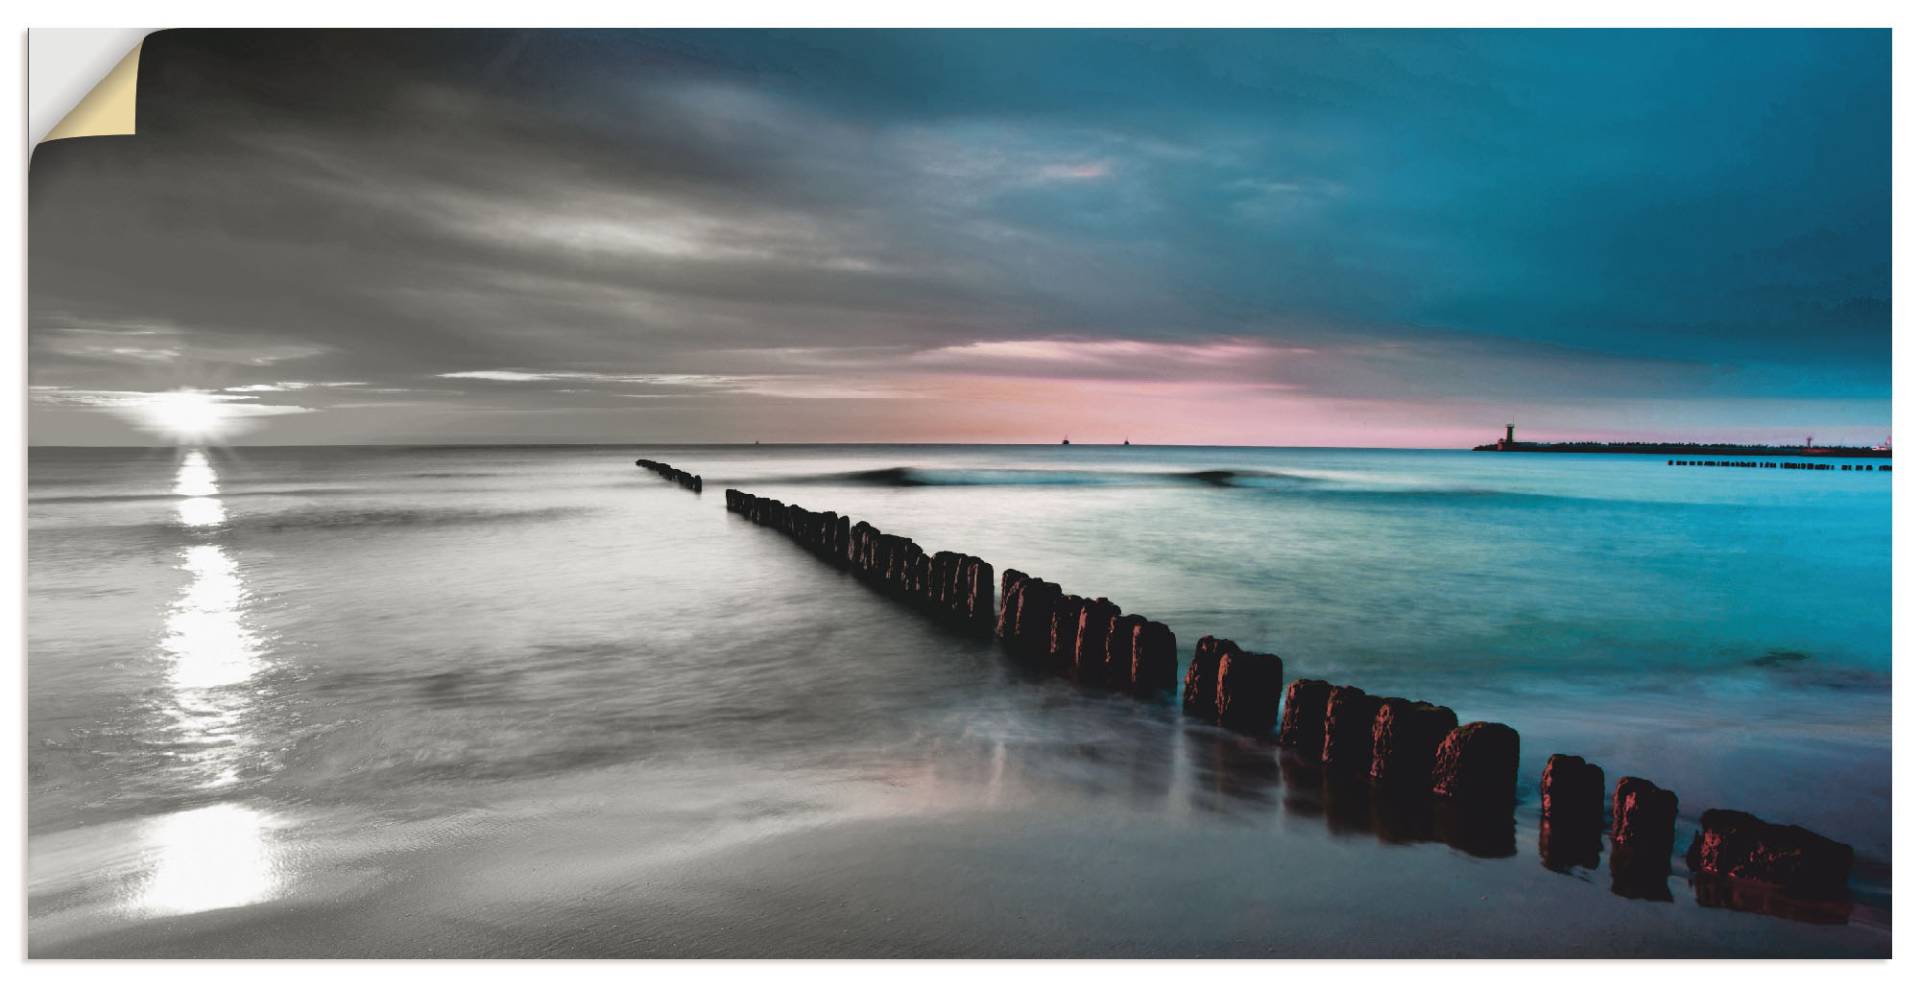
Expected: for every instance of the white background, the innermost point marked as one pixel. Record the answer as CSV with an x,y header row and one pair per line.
x,y
947,13
64,64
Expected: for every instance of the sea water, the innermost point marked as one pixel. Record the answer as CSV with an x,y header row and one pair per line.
x,y
536,701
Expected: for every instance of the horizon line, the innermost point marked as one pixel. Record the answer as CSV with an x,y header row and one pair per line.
x,y
745,445
753,444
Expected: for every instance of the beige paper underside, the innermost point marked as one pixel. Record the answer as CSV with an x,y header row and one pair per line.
x,y
109,108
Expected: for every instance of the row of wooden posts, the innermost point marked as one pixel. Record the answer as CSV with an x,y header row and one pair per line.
x,y
957,588
1767,465
1399,746
688,480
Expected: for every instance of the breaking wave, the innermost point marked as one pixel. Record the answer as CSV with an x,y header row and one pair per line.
x,y
1371,490
914,476
169,496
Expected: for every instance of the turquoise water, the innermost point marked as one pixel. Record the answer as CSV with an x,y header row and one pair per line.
x,y
264,680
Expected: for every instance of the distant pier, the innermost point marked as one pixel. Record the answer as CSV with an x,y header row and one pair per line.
x,y
1684,449
1694,451
1768,465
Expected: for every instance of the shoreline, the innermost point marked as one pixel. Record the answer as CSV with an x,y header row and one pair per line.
x,y
1287,873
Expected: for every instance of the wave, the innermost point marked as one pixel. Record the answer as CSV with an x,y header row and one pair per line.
x,y
401,517
1251,478
223,495
1369,489
1800,669
915,476
334,519
1359,489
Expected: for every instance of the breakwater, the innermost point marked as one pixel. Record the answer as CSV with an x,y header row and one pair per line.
x,y
1690,449
1768,465
1417,767
688,480
1088,640
954,587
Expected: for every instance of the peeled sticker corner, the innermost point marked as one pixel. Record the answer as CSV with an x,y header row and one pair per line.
x,y
108,109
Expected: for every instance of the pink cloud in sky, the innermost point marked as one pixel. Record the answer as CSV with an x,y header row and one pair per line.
x,y
1077,171
1182,412
1120,359
1439,392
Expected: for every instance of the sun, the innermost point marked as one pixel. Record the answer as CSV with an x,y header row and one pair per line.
x,y
185,415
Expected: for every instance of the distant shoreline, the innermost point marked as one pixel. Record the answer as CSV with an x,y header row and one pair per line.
x,y
1649,448
1691,449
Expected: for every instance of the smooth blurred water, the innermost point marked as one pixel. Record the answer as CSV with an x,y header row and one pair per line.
x,y
306,677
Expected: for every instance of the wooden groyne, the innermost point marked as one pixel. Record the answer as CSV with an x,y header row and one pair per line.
x,y
1087,640
1414,756
1768,465
956,588
688,480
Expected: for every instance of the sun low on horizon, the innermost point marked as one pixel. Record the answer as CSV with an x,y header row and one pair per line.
x,y
185,416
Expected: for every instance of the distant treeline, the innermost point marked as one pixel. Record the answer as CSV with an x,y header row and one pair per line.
x,y
1691,449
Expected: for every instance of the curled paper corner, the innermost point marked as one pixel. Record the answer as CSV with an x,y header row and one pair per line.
x,y
107,109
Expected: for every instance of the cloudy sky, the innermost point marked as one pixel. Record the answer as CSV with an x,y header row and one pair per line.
x,y
1312,238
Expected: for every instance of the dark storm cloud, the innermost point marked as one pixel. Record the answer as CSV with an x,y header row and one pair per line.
x,y
768,226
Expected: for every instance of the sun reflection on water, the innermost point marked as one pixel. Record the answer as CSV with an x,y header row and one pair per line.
x,y
216,856
196,477
206,640
201,512
210,651
199,485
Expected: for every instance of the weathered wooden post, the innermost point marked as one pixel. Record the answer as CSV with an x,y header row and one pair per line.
x,y
1479,762
1348,730
1093,627
1572,803
1247,696
1303,724
1794,860
1406,738
1156,660
1199,700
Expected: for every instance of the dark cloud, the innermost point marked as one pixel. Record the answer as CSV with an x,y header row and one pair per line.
x,y
696,234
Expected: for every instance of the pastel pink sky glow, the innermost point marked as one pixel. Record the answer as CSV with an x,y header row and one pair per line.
x,y
1223,391
1273,238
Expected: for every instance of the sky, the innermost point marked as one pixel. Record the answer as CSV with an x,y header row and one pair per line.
x,y
1348,238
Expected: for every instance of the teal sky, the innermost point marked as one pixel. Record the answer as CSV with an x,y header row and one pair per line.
x,y
1273,237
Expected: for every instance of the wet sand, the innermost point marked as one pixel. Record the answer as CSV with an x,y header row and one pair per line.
x,y
1216,854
